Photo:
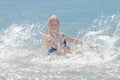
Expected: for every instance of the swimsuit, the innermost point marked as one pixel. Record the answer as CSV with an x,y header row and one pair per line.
x,y
51,50
61,41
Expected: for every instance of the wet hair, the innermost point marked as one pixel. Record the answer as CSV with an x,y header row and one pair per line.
x,y
51,19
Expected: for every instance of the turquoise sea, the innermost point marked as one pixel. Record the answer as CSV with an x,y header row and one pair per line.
x,y
22,26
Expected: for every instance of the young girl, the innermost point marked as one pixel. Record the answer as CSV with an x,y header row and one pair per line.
x,y
54,40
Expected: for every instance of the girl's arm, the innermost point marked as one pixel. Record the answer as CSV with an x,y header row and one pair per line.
x,y
72,40
76,41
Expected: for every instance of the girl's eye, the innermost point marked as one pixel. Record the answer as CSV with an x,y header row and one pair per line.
x,y
52,25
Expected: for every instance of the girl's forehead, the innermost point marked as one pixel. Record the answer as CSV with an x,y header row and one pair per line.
x,y
53,20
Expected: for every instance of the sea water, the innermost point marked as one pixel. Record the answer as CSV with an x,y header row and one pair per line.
x,y
22,27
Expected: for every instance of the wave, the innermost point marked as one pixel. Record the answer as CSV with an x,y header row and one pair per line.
x,y
103,35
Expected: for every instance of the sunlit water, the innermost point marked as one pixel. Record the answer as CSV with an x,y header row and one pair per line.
x,y
23,57
22,26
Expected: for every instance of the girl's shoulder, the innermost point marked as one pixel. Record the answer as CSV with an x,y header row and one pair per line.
x,y
62,34
47,37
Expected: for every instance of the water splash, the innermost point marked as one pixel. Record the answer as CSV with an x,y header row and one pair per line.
x,y
22,55
16,38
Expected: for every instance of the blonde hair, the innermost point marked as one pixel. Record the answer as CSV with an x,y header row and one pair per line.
x,y
51,19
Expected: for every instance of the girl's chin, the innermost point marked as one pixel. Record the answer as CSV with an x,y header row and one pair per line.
x,y
53,31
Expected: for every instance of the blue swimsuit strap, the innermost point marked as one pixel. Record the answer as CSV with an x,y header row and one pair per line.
x,y
64,42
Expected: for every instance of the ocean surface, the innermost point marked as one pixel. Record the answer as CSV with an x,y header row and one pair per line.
x,y
22,27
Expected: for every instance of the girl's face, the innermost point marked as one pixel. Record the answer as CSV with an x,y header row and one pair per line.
x,y
53,26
